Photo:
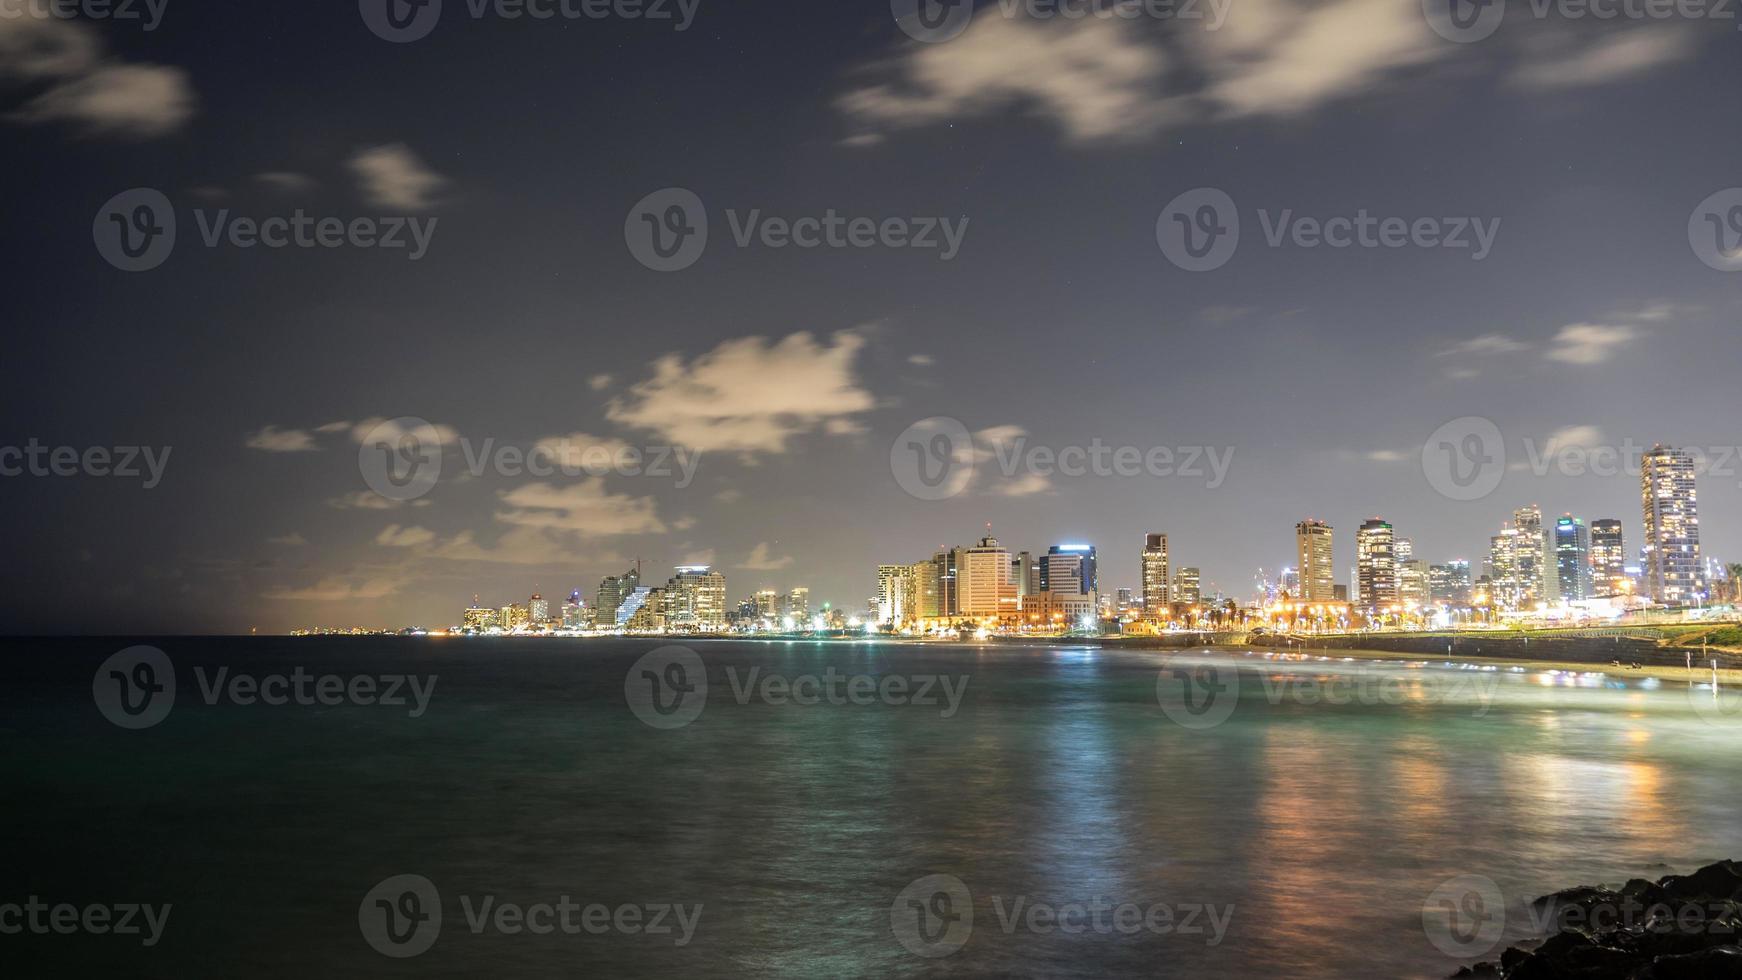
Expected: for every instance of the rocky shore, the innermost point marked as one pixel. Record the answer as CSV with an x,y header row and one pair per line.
x,y
1682,927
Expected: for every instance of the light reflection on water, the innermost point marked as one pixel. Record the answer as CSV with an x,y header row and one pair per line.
x,y
1060,779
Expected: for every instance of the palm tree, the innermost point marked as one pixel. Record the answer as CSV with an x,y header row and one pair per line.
x,y
1735,571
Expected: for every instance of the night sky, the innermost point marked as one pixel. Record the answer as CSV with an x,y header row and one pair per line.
x,y
1593,318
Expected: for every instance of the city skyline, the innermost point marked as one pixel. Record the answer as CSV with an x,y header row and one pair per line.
x,y
762,386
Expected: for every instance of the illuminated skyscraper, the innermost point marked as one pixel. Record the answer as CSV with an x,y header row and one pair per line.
x,y
613,591
925,590
983,583
1155,576
1068,569
1572,558
1672,527
798,604
1608,558
539,608
1187,586
895,599
695,599
1313,551
1376,563
1449,584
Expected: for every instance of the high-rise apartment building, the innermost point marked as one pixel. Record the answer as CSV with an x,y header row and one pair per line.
x,y
894,602
1608,559
695,599
983,583
1068,569
1449,584
1376,563
1187,586
1313,551
798,605
1572,559
1672,527
613,591
1155,575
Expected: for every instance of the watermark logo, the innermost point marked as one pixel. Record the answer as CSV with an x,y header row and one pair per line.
x,y
667,231
1465,459
933,459
1715,230
150,12
1465,916
668,687
1464,21
402,916
39,918
1199,231
401,459
135,230
135,688
121,462
932,21
400,21
1198,696
830,687
933,917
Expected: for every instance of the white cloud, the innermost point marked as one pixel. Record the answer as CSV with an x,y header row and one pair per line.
x,y
1488,343
1574,436
394,177
370,500
1280,57
1609,59
921,360
390,431
1095,78
272,439
578,451
1387,456
1589,343
119,100
762,560
599,382
338,588
394,536
583,507
291,540
1026,485
286,181
749,395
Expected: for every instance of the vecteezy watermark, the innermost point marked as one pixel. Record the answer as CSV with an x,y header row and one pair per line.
x,y
403,21
1199,231
668,688
937,21
1716,702
576,458
936,458
402,917
136,230
148,12
1464,917
667,231
1198,696
934,917
40,918
401,459
1468,21
122,462
1715,230
136,688
1465,459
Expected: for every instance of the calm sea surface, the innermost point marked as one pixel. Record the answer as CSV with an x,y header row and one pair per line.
x,y
1295,828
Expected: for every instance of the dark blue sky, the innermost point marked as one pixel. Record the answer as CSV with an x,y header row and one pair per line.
x,y
1321,370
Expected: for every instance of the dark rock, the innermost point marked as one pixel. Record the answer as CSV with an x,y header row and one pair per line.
x,y
1717,963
